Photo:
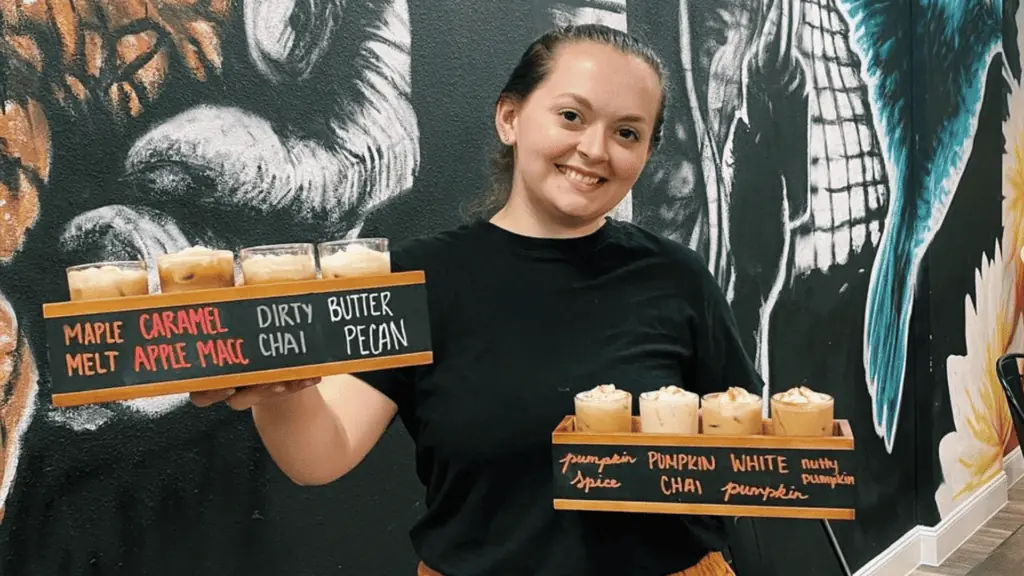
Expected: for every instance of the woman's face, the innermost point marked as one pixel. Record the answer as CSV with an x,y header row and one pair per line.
x,y
584,135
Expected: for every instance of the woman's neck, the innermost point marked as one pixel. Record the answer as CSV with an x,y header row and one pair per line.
x,y
521,218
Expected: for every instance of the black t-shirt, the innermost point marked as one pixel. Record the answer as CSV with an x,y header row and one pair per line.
x,y
519,326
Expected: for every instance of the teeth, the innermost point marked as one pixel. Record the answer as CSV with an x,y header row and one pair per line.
x,y
577,177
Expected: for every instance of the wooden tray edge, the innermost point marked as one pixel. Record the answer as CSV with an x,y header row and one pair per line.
x,y
564,434
203,383
707,509
217,295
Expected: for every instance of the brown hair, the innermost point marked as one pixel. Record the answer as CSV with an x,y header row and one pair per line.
x,y
533,67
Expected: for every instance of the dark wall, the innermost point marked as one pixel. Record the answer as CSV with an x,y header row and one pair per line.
x,y
783,160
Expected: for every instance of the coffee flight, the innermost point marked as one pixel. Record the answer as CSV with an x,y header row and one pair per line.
x,y
201,268
713,454
798,412
216,319
300,310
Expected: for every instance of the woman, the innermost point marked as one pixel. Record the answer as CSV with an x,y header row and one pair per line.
x,y
545,299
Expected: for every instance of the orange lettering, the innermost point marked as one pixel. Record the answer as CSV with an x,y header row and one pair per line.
x,y
167,319
758,463
221,352
206,349
677,485
179,361
214,320
570,459
72,334
587,484
74,363
147,334
91,363
764,492
142,360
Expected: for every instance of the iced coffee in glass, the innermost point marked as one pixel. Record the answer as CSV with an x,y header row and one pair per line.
x,y
196,268
734,412
108,280
278,263
669,410
357,257
604,408
802,412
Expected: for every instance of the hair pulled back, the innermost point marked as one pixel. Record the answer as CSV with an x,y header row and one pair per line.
x,y
533,68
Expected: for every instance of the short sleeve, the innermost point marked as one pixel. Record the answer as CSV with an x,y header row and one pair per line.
x,y
721,359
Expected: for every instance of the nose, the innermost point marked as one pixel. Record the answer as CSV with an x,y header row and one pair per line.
x,y
592,145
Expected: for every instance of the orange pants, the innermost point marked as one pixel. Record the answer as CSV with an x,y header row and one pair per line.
x,y
713,564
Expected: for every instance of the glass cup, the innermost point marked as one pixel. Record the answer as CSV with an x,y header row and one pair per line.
x,y
724,417
108,280
802,419
278,263
357,257
596,414
662,413
196,268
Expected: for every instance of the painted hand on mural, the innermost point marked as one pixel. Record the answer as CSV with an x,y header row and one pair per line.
x,y
943,144
338,147
686,186
18,382
769,183
333,136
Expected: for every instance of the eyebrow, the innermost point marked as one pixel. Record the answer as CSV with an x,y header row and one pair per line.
x,y
586,104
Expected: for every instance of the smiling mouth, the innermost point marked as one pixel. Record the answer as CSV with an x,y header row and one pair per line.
x,y
580,177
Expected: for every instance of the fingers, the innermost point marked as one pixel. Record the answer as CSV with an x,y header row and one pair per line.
x,y
209,397
248,397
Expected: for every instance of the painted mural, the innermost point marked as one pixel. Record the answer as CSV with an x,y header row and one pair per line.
x,y
131,128
973,453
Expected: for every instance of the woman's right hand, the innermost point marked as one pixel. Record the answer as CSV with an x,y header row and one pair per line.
x,y
248,396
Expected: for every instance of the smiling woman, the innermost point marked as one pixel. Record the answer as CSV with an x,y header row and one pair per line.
x,y
579,127
558,299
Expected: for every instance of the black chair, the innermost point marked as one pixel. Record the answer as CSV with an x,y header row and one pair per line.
x,y
1010,379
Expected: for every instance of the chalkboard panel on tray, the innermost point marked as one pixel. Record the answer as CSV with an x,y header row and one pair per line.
x,y
764,476
105,350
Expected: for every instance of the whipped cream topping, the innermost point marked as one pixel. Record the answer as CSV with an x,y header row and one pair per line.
x,y
803,395
279,259
194,253
671,393
736,395
104,274
300,265
356,255
604,393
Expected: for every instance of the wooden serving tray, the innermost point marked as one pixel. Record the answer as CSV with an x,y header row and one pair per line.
x,y
140,346
760,476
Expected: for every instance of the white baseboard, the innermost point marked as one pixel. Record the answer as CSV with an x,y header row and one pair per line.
x,y
931,545
1014,466
900,559
941,540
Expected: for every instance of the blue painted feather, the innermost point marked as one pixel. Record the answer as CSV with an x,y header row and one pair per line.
x,y
951,43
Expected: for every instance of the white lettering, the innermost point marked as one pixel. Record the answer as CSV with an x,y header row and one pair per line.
x,y
282,343
335,310
356,306
262,310
373,339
